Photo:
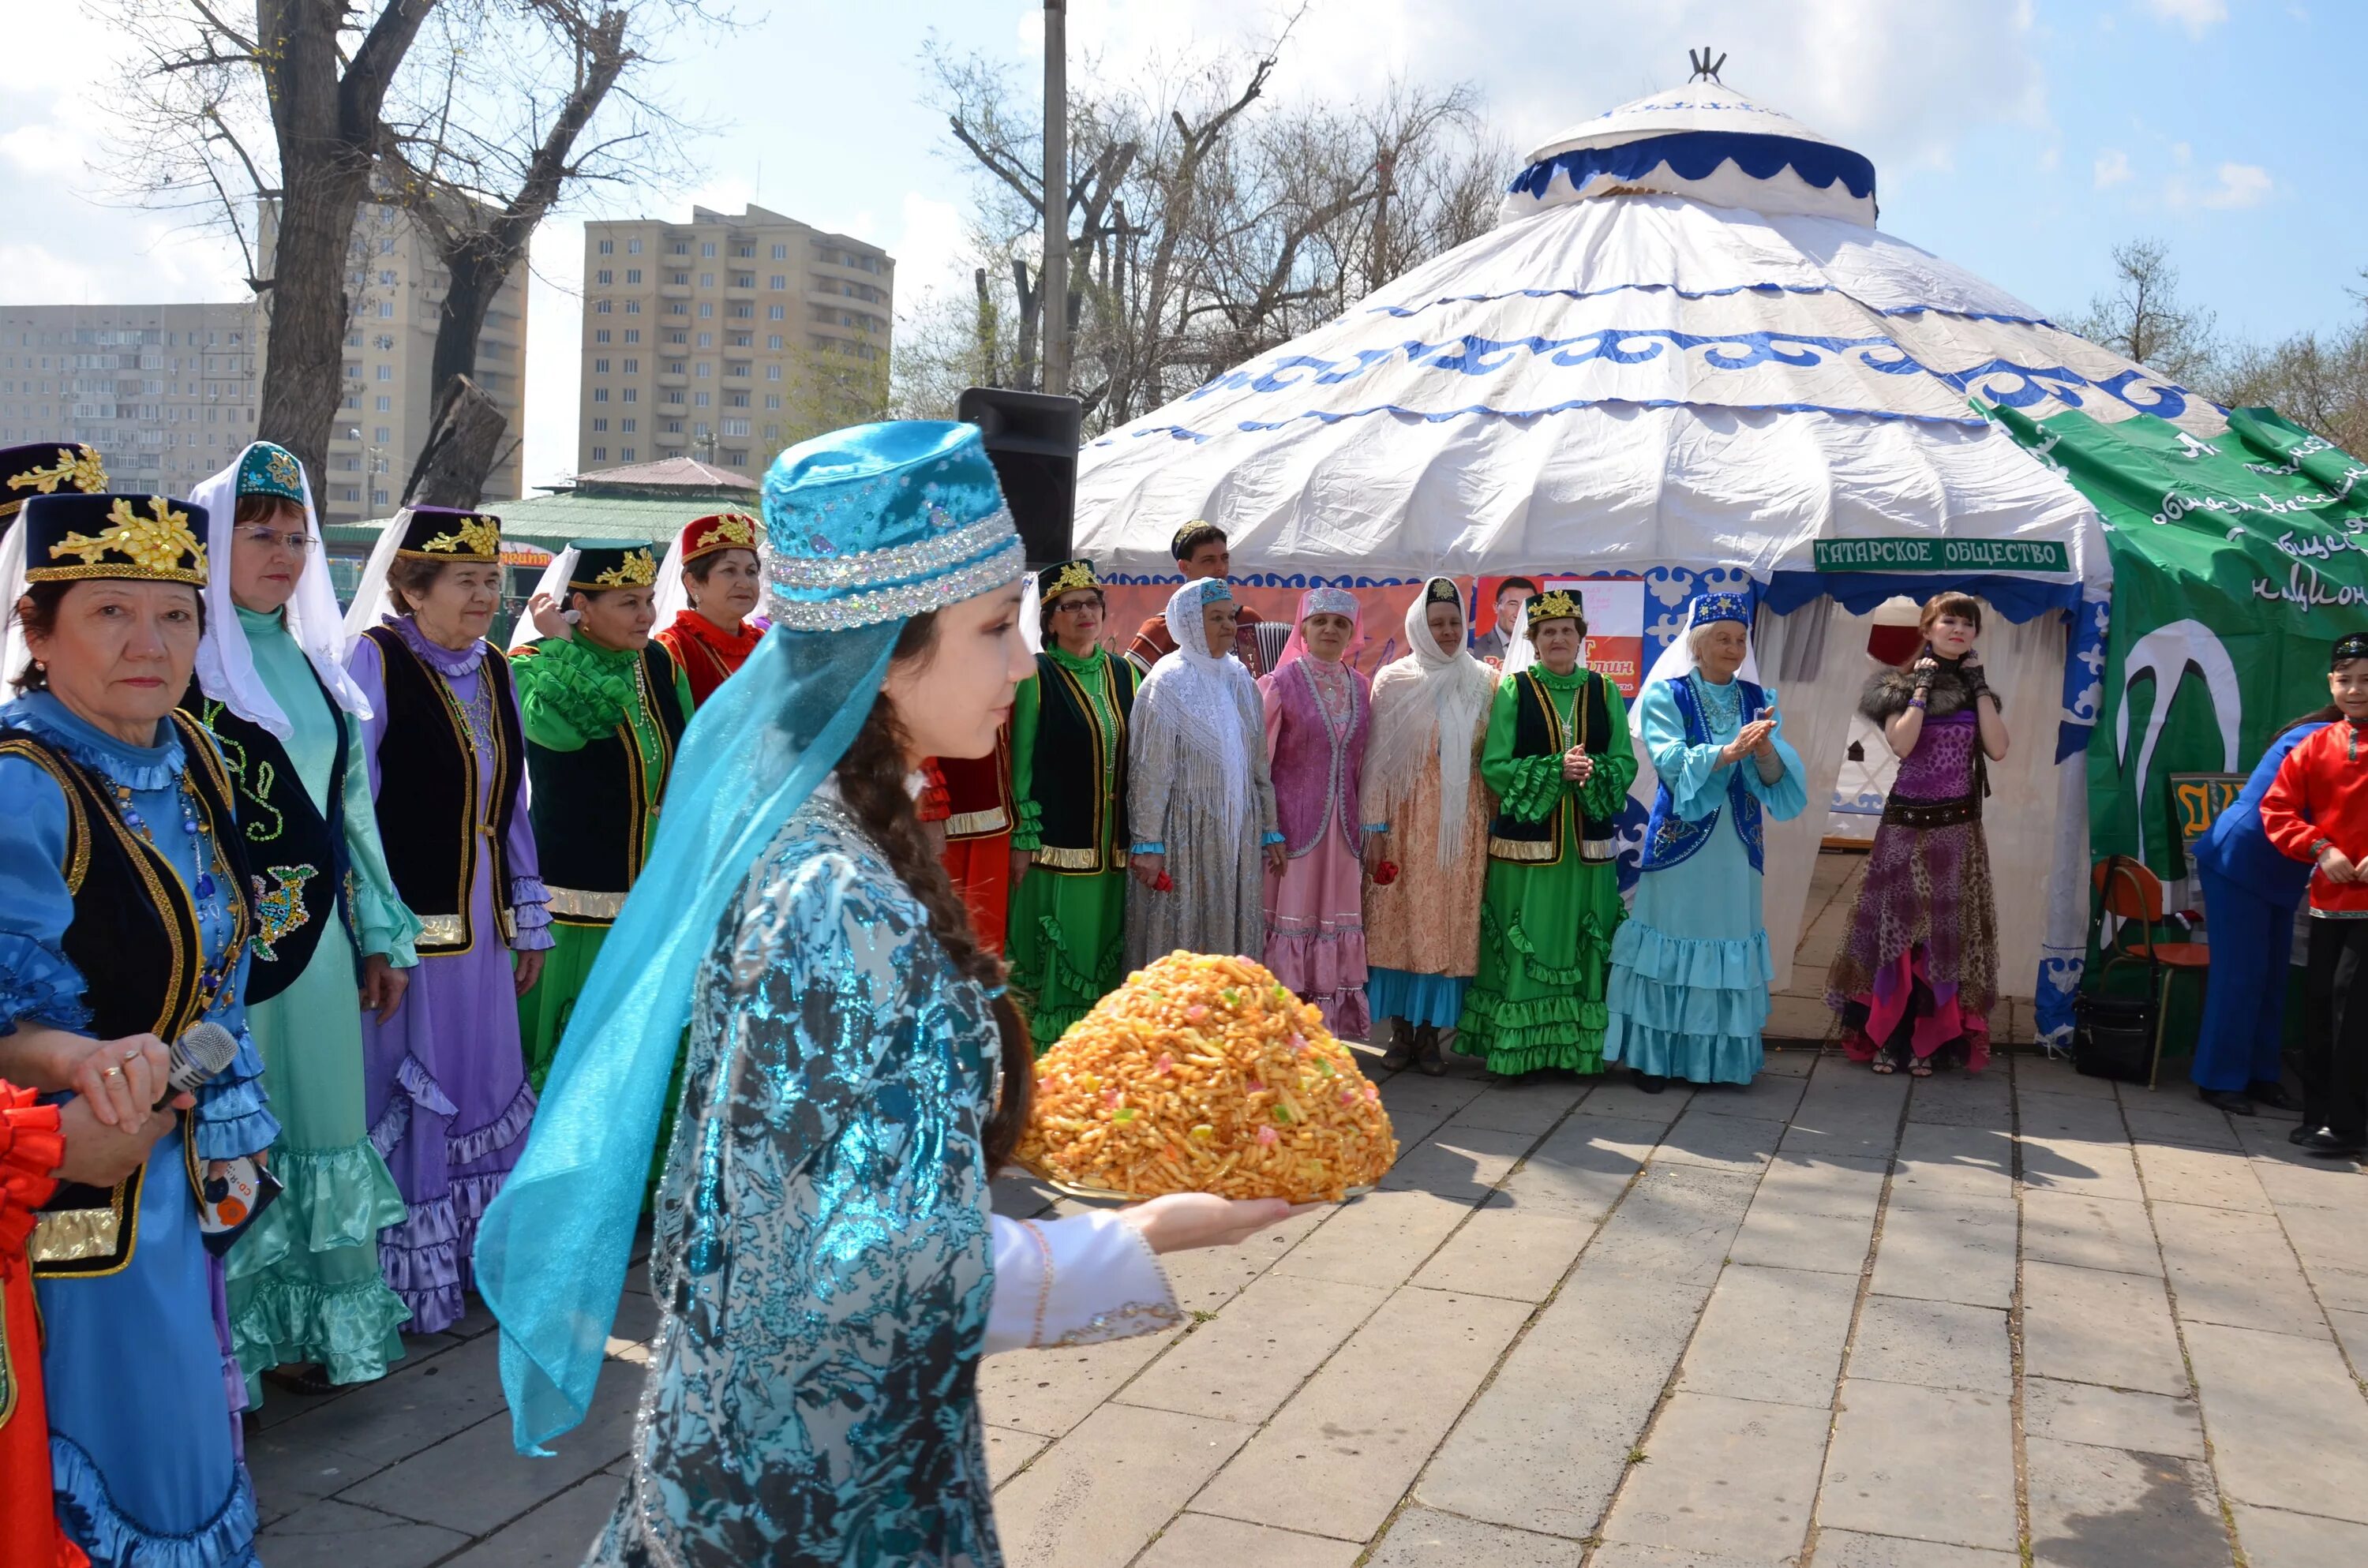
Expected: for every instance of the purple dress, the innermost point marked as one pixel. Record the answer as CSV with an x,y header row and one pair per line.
x,y
1317,716
448,1099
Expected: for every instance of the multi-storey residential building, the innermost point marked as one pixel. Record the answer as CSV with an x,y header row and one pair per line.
x,y
728,337
396,287
166,392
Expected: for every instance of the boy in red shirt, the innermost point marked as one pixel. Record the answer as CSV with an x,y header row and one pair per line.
x,y
2317,811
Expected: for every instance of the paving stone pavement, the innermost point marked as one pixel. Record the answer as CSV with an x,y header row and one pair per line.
x,y
1832,1319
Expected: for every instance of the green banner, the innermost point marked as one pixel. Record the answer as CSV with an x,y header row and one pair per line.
x,y
1941,555
2236,563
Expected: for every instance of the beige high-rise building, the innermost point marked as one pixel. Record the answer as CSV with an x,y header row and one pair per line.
x,y
727,338
396,286
167,393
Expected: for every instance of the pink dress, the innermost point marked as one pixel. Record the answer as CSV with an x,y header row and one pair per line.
x,y
1317,715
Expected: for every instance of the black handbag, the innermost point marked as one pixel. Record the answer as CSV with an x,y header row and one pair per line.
x,y
2114,1037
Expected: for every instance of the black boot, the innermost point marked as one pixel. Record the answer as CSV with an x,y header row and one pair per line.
x,y
1651,1083
1426,1051
1397,1051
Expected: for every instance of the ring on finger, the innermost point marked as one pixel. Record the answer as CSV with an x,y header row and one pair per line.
x,y
133,1054
112,1073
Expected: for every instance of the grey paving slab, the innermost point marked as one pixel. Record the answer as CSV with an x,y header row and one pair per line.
x,y
2274,1539
1832,1244
1629,1554
330,1534
1926,1464
2077,1119
1961,1249
2090,1327
2334,1250
2160,1124
1738,1352
1852,1549
1425,1538
1584,1166
1049,1392
1545,1445
2352,1333
2041,1075
2288,1425
1531,1106
1616,1097
1770,1096
1379,1240
1019,1196
1094,1501
1729,1477
1336,1460
1975,1099
1244,1363
1848,1184
412,1408
557,1535
1942,1164
2112,1418
2233,1268
1007,1448
475,1482
1788,1064
2079,1166
2090,1232
2091,1505
1202,1540
1458,1162
1942,1344
2293,1181
1675,1225
1418,1094
1509,1247
2213,1178
1738,1143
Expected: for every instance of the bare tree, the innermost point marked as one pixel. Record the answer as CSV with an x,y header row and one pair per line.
x,y
1208,222
2318,380
2143,318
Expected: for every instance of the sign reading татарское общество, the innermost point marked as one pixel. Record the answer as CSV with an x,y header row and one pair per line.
x,y
1940,555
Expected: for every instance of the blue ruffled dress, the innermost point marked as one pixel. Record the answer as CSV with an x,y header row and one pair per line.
x,y
144,1395
1691,968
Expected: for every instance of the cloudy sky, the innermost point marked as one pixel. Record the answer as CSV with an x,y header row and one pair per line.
x,y
2021,138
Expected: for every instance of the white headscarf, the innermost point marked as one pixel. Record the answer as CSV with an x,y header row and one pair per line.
x,y
674,594
1677,661
554,582
1203,693
1031,614
371,602
14,655
1519,652
1427,704
225,663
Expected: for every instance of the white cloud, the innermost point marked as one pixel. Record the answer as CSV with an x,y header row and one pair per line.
x,y
2197,17
2113,167
2051,160
931,248
2241,184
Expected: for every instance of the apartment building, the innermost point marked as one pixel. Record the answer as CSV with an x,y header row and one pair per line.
x,y
167,393
395,286
728,337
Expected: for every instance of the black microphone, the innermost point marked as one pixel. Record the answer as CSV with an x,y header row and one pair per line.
x,y
204,1051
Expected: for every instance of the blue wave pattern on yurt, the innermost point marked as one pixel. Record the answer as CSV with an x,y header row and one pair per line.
x,y
1574,295
1697,154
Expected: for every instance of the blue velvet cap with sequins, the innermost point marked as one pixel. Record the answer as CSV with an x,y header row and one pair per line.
x,y
267,470
1708,608
881,522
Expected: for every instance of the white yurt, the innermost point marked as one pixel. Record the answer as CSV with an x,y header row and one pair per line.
x,y
1686,353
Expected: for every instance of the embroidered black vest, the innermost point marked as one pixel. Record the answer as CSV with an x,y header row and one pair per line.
x,y
427,799
589,805
1538,732
135,939
1668,838
1075,801
297,853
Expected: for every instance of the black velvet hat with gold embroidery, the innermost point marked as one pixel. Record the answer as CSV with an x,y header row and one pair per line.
x,y
75,538
1067,577
444,533
45,468
601,566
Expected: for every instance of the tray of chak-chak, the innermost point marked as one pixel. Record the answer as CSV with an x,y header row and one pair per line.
x,y
1203,1075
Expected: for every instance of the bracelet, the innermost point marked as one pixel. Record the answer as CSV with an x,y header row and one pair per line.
x,y
1917,702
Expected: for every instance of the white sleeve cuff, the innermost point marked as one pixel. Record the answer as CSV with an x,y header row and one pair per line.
x,y
1075,1281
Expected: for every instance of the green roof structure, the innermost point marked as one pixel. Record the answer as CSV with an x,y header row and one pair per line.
x,y
650,501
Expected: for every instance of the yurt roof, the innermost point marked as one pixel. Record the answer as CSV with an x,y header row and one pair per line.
x,y
1705,354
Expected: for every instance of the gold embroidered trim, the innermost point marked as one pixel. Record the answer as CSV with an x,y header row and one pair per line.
x,y
442,931
636,571
158,545
77,466
478,537
734,531
1526,851
584,904
73,1235
978,825
1067,860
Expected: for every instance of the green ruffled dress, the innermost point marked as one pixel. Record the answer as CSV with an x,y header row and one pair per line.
x,y
573,692
1546,926
1066,938
303,1281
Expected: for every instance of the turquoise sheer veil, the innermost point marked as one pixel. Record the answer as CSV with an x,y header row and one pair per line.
x,y
868,527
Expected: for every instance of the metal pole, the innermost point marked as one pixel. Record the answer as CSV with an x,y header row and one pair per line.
x,y
1054,288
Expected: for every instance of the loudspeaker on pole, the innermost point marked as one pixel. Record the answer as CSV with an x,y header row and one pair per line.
x,y
1032,439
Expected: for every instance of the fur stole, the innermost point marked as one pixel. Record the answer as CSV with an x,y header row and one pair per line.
x,y
1887,695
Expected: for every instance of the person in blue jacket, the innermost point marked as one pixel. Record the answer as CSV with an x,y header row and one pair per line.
x,y
2249,894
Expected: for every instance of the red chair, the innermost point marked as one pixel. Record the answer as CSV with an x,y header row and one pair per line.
x,y
2133,894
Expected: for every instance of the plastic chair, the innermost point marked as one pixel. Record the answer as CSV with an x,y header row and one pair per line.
x,y
2133,894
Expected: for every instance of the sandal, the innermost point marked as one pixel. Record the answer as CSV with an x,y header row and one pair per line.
x,y
1884,1065
1920,1068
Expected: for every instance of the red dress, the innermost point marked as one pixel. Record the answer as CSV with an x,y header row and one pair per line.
x,y
705,653
978,835
30,1149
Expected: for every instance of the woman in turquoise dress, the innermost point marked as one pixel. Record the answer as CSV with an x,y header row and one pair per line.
x,y
124,920
1067,933
332,935
1691,969
1558,760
